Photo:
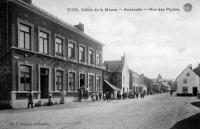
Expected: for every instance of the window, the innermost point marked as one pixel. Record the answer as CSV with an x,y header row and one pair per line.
x,y
43,42
59,46
25,78
71,81
24,37
71,50
91,80
59,80
188,74
185,90
98,83
81,54
91,57
98,60
185,81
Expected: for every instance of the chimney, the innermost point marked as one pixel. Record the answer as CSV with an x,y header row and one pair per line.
x,y
80,27
190,66
27,1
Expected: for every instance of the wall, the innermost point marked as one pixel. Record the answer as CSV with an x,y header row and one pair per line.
x,y
192,81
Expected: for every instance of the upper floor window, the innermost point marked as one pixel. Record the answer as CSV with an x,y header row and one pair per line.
x,y
43,42
82,54
188,74
59,46
98,59
24,36
59,80
184,80
25,78
90,57
71,50
71,81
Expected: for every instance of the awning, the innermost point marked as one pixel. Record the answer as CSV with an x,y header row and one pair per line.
x,y
112,86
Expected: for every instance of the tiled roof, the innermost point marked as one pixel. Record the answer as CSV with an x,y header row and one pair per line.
x,y
197,71
114,66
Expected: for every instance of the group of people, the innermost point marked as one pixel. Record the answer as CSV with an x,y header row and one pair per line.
x,y
109,96
30,99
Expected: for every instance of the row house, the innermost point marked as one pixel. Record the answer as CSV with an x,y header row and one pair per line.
x,y
137,82
148,82
43,54
116,75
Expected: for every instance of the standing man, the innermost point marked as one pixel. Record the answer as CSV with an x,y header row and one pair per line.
x,y
30,99
62,97
171,92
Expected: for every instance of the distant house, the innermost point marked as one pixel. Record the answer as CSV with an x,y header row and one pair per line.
x,y
117,73
137,82
160,85
188,82
156,87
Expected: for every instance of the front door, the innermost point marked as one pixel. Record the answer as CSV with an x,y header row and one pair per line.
x,y
44,82
82,80
195,91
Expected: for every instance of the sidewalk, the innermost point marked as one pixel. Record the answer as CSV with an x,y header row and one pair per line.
x,y
72,105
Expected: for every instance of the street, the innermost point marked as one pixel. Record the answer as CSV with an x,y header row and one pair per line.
x,y
153,112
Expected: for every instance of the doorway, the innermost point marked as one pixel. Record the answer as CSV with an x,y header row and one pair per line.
x,y
82,80
44,82
195,91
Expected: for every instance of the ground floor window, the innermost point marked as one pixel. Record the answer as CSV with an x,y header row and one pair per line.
x,y
185,90
98,83
91,80
59,80
25,78
71,81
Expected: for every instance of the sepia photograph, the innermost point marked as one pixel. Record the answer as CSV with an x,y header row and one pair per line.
x,y
99,64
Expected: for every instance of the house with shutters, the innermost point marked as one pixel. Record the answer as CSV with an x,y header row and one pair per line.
x,y
44,54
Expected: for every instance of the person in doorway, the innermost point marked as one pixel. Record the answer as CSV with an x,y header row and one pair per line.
x,y
30,99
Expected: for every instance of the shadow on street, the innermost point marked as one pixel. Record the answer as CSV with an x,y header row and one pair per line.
x,y
192,122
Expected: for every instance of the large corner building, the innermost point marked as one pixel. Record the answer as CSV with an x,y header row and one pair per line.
x,y
43,54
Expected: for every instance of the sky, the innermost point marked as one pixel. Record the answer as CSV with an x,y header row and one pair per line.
x,y
154,42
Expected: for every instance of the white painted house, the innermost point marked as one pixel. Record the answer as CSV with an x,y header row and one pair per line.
x,y
188,82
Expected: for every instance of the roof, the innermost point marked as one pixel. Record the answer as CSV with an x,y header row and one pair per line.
x,y
112,86
197,71
53,18
191,70
114,66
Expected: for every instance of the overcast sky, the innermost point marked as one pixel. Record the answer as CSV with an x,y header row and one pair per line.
x,y
154,42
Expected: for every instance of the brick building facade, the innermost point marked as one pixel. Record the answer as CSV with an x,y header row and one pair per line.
x,y
43,54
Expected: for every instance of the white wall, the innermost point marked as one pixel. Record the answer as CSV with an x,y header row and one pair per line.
x,y
192,81
125,77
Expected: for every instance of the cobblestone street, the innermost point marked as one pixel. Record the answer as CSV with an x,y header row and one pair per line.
x,y
152,112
